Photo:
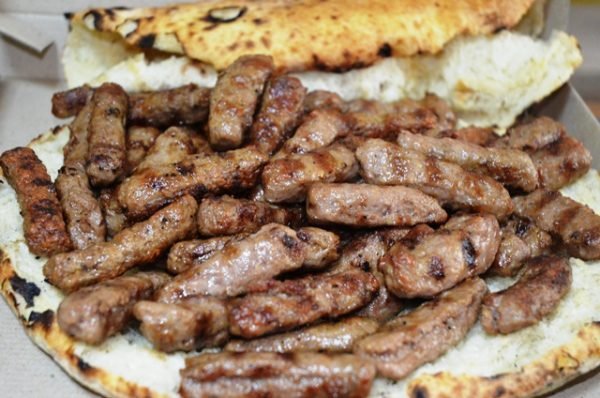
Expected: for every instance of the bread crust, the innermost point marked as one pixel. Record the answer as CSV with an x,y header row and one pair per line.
x,y
304,34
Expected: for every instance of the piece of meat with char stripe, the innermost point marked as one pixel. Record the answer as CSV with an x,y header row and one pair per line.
x,y
43,224
536,294
464,247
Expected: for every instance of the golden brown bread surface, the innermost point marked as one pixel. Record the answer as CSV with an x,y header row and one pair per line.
x,y
305,34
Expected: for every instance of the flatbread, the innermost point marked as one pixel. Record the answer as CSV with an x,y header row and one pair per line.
x,y
333,35
523,364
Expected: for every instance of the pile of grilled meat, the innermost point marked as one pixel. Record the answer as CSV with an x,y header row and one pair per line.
x,y
317,241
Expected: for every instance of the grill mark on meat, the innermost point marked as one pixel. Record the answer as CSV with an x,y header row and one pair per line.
x,y
228,216
469,253
279,113
575,224
187,325
329,337
287,179
273,374
385,163
368,205
538,292
270,251
510,167
436,268
153,187
234,98
142,243
43,224
94,313
532,135
70,102
281,306
411,340
464,247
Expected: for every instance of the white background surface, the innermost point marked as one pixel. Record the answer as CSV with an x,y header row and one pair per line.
x,y
25,371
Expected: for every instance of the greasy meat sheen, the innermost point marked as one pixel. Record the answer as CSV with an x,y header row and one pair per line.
x,y
510,167
384,163
577,225
139,141
364,252
234,98
318,129
107,150
81,209
538,292
521,240
284,305
183,255
322,99
270,251
172,146
187,325
70,102
146,191
337,336
320,247
409,341
94,313
287,179
532,135
182,105
266,374
365,205
279,113
142,243
370,118
43,224
561,162
228,216
464,247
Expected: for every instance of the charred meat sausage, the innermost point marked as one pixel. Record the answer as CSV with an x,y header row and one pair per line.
x,y
234,99
287,179
107,151
409,341
43,224
337,336
538,292
148,190
322,99
70,102
464,247
183,255
320,247
139,141
365,205
284,305
266,374
142,243
521,240
279,113
183,105
172,146
228,216
532,135
81,209
272,250
385,163
94,313
577,225
318,129
188,325
510,167
561,162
